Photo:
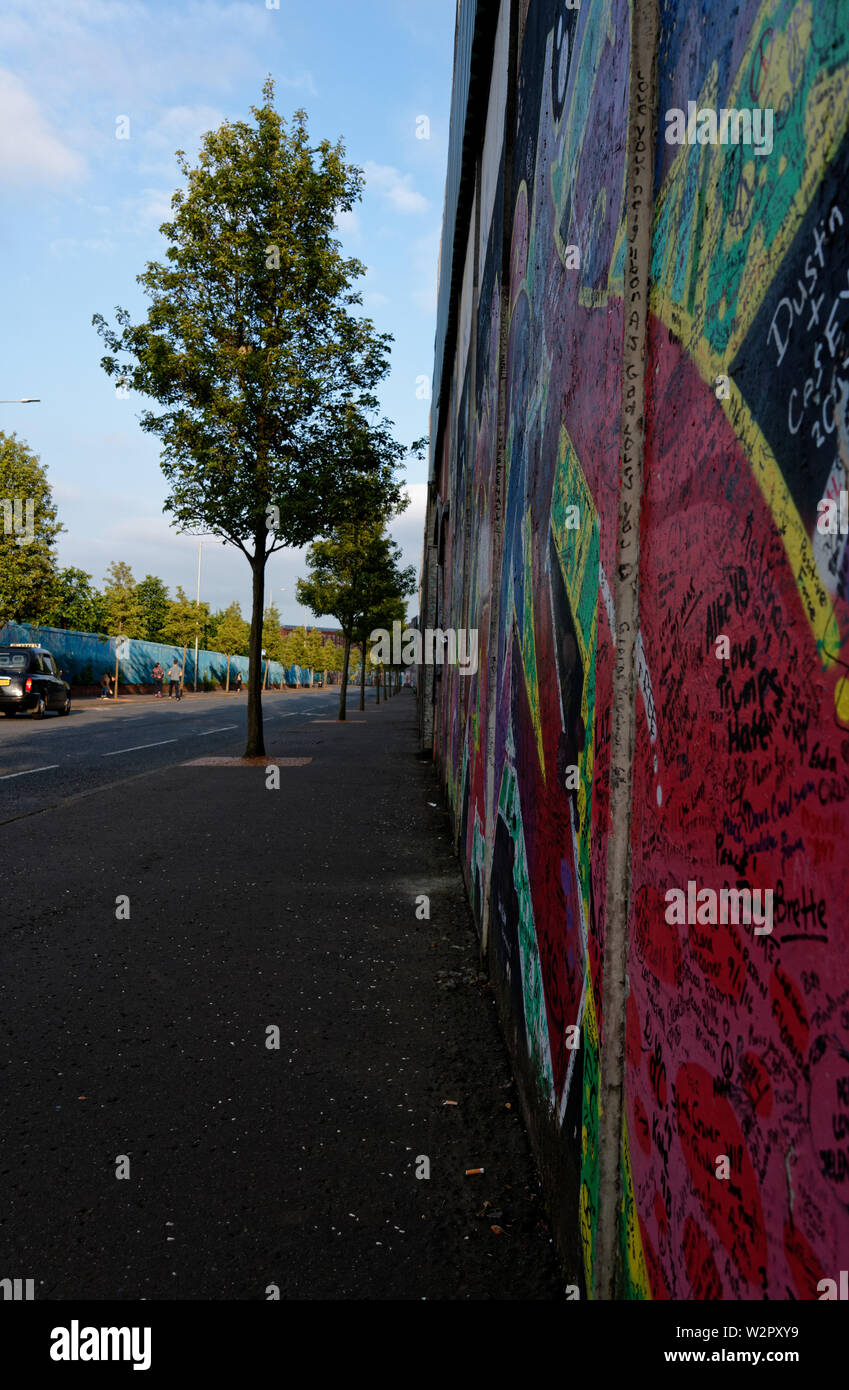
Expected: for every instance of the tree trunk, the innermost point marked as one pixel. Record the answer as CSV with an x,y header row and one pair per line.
x,y
227,685
255,746
343,694
363,678
377,683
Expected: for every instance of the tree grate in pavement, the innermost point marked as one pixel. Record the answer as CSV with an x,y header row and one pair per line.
x,y
248,762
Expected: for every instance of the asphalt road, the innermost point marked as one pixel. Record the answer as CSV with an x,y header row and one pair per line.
x,y
159,921
103,742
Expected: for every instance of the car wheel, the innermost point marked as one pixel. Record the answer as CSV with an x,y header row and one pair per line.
x,y
40,708
66,708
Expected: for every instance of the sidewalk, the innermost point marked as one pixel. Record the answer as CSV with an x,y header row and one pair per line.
x,y
252,908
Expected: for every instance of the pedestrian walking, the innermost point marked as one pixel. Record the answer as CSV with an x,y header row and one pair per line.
x,y
158,677
174,680
237,684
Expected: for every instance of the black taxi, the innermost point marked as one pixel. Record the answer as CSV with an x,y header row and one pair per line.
x,y
30,680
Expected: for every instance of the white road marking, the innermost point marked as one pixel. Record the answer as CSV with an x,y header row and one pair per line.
x,y
46,768
137,746
205,732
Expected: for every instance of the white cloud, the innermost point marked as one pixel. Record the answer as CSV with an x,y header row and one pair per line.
x,y
71,246
302,83
178,128
30,152
408,531
348,225
152,207
397,188
63,493
425,261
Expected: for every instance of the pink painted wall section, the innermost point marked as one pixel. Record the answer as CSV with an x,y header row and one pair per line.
x,y
737,1042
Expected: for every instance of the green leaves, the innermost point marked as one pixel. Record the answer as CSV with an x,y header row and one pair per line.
x,y
122,612
249,342
74,603
29,527
262,375
355,576
233,633
185,621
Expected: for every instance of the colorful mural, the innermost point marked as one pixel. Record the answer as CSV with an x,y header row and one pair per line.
x,y
737,1044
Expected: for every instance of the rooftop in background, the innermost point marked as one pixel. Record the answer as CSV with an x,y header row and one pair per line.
x,y
474,38
333,633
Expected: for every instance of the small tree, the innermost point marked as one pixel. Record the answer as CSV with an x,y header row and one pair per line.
x,y
392,610
181,624
330,656
314,654
233,635
121,608
272,637
266,375
123,617
355,572
296,647
74,602
152,598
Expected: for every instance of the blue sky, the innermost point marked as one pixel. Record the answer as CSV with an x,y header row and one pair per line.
x,y
81,211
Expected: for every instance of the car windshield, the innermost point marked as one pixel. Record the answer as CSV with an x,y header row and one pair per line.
x,y
14,661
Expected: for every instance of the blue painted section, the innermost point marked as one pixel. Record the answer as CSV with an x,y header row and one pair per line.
x,y
84,657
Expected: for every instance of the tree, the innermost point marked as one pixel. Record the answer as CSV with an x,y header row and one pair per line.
x,y
181,624
329,655
266,376
354,572
233,635
392,609
153,599
209,634
314,654
74,603
121,611
29,527
295,647
272,637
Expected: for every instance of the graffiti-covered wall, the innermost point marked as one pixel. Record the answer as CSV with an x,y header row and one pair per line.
x,y
735,1136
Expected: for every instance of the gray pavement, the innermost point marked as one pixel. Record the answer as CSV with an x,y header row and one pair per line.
x,y
144,1038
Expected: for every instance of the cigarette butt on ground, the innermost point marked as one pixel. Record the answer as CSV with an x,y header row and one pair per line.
x,y
471,1171
497,1230
449,1102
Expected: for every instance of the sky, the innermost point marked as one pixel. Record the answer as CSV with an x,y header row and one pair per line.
x,y
82,205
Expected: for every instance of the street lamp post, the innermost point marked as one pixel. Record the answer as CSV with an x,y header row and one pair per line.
x,y
197,616
281,589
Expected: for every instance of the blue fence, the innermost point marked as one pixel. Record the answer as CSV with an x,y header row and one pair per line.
x,y
85,657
